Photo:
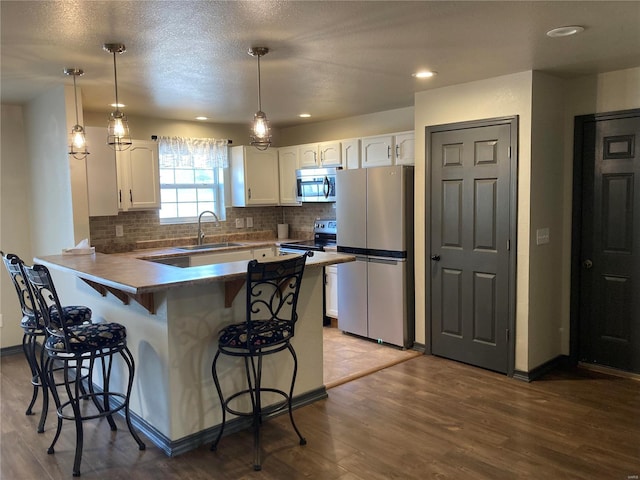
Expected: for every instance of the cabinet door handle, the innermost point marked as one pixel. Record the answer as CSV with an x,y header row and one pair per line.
x,y
130,196
389,151
120,197
435,258
249,194
397,151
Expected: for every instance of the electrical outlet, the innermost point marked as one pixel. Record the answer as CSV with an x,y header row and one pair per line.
x,y
249,222
542,236
119,231
239,222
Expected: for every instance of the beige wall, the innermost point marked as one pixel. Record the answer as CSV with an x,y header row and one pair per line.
x,y
548,281
142,128
14,215
390,121
497,97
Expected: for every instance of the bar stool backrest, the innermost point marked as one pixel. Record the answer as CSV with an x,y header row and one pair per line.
x,y
272,290
47,302
14,266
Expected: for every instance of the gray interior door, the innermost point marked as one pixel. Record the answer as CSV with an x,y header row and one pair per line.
x,y
470,240
610,273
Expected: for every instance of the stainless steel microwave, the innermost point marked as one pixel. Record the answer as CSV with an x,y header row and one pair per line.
x,y
316,184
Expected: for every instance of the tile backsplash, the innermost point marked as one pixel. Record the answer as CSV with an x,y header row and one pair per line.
x,y
143,229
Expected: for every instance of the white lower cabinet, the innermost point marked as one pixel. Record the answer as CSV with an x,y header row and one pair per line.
x,y
262,253
233,256
331,291
220,257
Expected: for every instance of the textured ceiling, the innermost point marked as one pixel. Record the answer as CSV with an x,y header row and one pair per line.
x,y
330,59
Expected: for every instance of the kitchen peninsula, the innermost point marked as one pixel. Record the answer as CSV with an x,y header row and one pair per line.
x,y
172,316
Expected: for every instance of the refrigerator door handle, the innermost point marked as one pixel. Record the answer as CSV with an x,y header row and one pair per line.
x,y
387,261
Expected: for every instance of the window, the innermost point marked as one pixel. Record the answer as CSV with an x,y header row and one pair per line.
x,y
191,178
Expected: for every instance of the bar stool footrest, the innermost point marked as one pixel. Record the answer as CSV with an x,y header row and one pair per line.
x,y
268,410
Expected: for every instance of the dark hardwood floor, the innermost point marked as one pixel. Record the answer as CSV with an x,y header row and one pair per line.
x,y
423,418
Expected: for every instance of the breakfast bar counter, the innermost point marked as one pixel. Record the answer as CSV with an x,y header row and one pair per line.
x,y
172,316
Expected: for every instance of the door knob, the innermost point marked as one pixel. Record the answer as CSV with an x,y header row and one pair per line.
x,y
587,264
435,258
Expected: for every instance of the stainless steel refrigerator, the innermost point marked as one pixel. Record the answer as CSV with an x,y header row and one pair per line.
x,y
374,212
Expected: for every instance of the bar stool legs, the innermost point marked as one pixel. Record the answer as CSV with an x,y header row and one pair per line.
x,y
253,371
102,400
38,380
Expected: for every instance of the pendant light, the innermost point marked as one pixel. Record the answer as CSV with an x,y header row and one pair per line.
x,y
78,142
261,136
118,136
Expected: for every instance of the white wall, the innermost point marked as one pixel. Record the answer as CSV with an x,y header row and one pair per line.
x,y
14,215
50,178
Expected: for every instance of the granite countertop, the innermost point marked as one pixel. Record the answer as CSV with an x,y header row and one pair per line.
x,y
130,273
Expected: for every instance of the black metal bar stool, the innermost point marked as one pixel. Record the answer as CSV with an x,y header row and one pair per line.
x,y
71,345
34,330
272,297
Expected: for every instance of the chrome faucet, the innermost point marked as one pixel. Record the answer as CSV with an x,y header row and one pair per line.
x,y
200,232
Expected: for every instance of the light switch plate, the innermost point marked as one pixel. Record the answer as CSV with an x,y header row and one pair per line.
x,y
239,222
119,231
542,236
249,222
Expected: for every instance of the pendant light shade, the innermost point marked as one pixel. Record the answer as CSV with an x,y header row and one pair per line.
x,y
118,136
77,141
261,135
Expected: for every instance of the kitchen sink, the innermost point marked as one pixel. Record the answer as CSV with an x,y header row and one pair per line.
x,y
207,246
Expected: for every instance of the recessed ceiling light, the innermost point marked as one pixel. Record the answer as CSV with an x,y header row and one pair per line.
x,y
305,115
118,105
424,74
202,118
565,31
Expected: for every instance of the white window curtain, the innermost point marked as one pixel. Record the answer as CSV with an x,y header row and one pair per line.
x,y
191,177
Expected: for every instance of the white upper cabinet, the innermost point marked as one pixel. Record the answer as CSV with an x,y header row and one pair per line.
x,y
350,153
330,154
308,155
121,181
254,176
404,146
287,166
102,181
377,151
385,150
314,155
139,176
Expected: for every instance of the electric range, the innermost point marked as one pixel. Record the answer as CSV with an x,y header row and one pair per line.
x,y
325,232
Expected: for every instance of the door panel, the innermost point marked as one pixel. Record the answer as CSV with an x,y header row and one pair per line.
x,y
609,302
470,234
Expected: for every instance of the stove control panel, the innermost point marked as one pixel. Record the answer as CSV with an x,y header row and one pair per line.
x,y
326,225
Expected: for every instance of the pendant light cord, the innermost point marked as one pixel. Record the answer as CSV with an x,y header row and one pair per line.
x,y
259,86
115,76
75,96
